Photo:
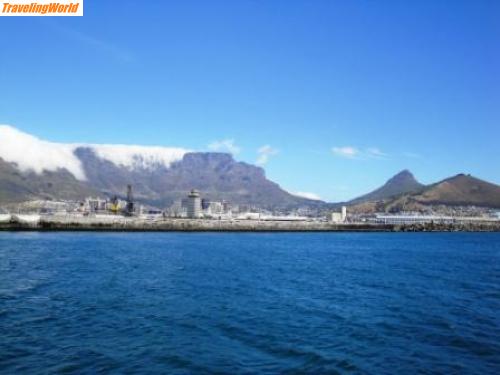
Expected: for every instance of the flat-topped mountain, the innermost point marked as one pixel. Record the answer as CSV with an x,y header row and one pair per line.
x,y
217,175
31,168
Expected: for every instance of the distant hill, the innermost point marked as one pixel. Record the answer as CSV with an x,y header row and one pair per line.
x,y
459,190
403,182
17,186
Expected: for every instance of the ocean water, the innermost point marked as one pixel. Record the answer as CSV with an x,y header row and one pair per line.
x,y
250,303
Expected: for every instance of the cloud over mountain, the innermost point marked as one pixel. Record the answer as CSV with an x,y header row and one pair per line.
x,y
264,153
30,153
307,195
225,145
33,154
31,168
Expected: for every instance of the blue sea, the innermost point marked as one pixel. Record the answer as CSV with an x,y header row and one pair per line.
x,y
260,303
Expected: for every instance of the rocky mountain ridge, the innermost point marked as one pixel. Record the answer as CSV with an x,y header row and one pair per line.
x,y
456,191
31,168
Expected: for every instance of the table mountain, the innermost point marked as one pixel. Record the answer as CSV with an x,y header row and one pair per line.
x,y
31,168
217,175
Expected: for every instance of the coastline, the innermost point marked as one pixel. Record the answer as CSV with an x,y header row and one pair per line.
x,y
122,224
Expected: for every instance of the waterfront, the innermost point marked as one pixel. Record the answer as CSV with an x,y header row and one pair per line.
x,y
246,302
118,223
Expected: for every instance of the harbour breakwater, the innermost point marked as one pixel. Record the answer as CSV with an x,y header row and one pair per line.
x,y
125,224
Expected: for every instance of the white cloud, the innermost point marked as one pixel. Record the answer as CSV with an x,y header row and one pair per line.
x,y
132,156
375,153
33,154
346,152
307,195
264,153
350,152
225,145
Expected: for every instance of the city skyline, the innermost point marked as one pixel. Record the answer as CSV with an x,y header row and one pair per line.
x,y
331,98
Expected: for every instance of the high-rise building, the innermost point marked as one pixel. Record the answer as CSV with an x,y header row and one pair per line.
x,y
194,204
129,208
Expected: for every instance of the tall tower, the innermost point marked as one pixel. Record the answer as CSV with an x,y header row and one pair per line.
x,y
129,209
344,213
194,204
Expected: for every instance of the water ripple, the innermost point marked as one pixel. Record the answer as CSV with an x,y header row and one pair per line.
x,y
249,303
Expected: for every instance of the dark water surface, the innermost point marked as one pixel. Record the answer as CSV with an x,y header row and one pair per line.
x,y
249,303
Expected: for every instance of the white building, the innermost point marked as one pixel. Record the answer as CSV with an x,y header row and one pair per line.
x,y
177,209
214,208
339,217
412,219
194,205
422,219
95,204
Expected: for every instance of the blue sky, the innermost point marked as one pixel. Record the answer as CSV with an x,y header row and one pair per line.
x,y
344,94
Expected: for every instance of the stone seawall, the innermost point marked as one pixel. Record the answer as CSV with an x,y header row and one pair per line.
x,y
189,225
